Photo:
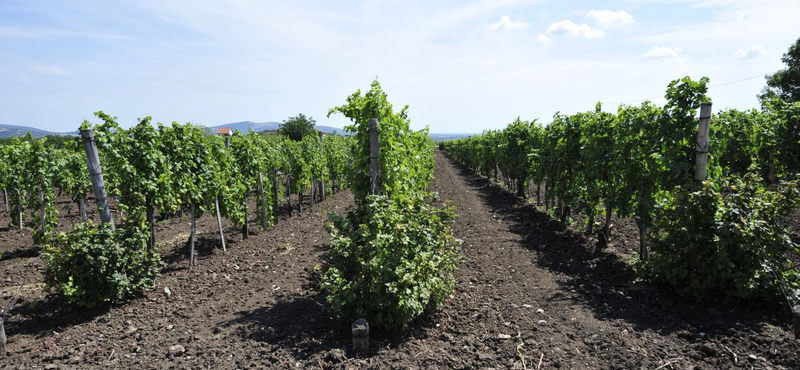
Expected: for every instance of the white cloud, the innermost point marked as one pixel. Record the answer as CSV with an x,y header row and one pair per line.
x,y
51,70
749,53
661,52
567,27
611,19
506,24
543,39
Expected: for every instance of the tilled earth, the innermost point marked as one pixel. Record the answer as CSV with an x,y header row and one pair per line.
x,y
531,294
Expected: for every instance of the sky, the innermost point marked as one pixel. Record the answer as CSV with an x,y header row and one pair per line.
x,y
461,66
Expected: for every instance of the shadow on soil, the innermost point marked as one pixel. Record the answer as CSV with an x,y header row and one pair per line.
x,y
30,252
301,325
53,314
176,257
601,281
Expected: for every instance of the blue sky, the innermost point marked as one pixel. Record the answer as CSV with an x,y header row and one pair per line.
x,y
462,66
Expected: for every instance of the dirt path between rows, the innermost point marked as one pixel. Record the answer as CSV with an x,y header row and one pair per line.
x,y
531,294
529,277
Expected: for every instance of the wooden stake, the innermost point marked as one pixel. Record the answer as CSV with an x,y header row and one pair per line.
x,y
274,182
82,207
192,237
42,214
300,200
374,157
2,337
322,149
701,151
289,194
219,224
96,174
605,233
642,240
19,208
3,316
313,190
263,201
120,213
5,199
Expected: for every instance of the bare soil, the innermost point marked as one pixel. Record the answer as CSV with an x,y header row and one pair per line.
x,y
531,294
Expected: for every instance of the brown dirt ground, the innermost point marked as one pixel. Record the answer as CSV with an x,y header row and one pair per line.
x,y
531,294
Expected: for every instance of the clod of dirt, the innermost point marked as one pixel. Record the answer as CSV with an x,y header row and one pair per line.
x,y
176,350
708,351
483,356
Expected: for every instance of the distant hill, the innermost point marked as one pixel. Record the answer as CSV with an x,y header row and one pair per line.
x,y
444,137
244,126
12,131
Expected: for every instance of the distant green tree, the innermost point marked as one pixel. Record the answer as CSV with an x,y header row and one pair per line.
x,y
297,127
61,141
785,83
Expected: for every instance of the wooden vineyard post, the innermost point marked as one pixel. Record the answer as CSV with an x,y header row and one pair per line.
x,y
313,190
606,232
219,223
300,200
216,205
289,193
42,210
82,207
5,199
642,240
374,157
263,200
192,236
19,208
273,178
96,174
120,212
2,336
701,151
322,181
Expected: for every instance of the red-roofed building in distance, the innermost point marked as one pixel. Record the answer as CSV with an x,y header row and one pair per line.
x,y
224,131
